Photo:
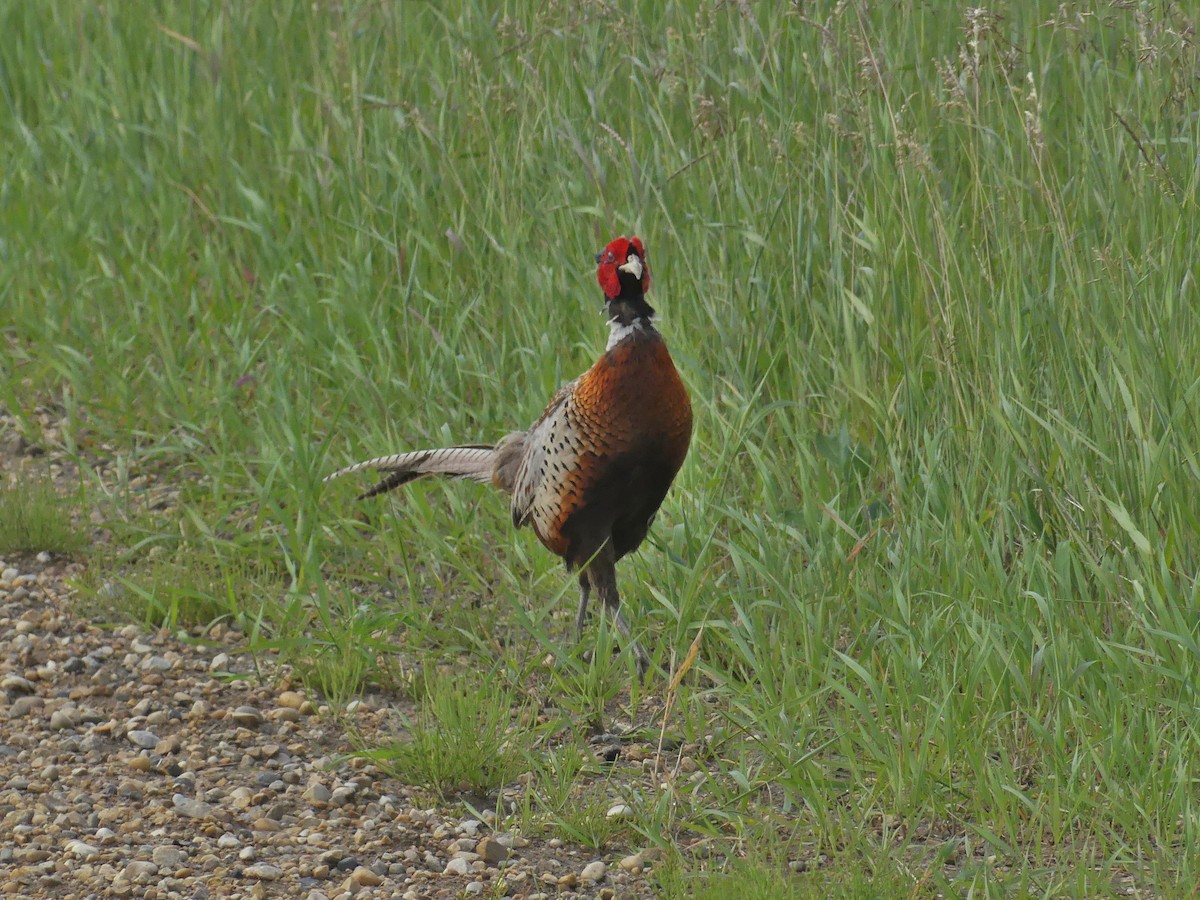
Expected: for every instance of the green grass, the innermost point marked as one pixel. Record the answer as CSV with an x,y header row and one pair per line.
x,y
33,519
758,877
466,736
929,275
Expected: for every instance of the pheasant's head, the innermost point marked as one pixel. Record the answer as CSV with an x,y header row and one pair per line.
x,y
622,270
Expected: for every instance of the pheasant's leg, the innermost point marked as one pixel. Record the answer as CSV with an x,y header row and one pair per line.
x,y
585,590
603,574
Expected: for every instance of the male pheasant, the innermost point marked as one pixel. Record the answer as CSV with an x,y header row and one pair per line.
x,y
591,472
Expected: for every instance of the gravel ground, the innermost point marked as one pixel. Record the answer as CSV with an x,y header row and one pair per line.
x,y
131,766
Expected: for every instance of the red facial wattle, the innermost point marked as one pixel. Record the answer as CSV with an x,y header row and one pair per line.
x,y
615,255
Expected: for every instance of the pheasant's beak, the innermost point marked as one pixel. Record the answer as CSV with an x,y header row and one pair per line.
x,y
633,266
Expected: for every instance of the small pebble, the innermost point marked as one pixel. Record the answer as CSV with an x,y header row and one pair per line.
x,y
110,590
168,857
61,720
241,797
17,683
141,871
364,877
263,872
492,851
291,700
317,793
190,807
247,716
635,862
22,706
457,866
82,850
147,740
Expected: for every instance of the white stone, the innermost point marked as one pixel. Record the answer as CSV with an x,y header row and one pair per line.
x,y
263,872
457,866
81,850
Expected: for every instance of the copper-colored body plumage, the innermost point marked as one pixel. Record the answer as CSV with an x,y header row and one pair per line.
x,y
590,474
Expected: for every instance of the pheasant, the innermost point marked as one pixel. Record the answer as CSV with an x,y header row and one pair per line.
x,y
590,474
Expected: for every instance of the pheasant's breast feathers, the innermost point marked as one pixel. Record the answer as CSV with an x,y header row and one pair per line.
x,y
634,393
628,412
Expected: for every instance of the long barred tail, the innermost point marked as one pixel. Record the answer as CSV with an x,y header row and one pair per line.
x,y
473,461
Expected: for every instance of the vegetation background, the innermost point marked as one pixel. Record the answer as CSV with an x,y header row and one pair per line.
x,y
929,272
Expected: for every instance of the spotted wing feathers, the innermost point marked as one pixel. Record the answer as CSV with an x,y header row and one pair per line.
x,y
551,451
